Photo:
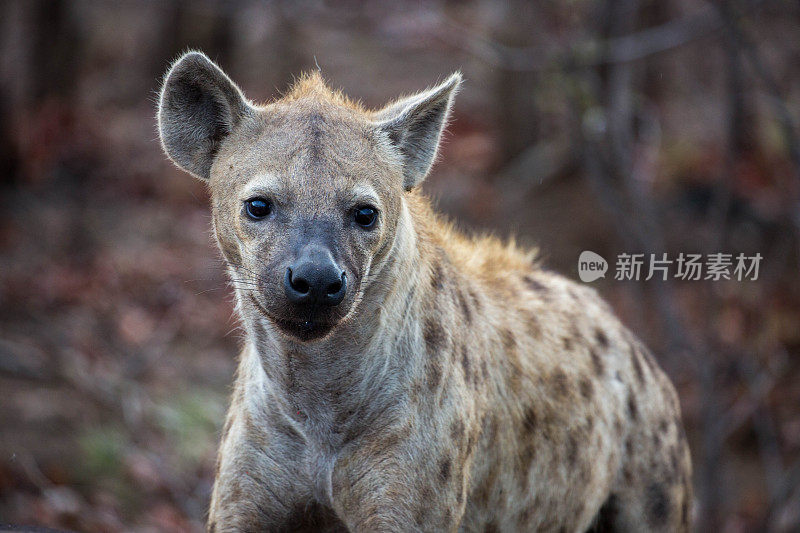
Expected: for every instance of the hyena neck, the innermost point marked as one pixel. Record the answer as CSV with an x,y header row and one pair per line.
x,y
357,372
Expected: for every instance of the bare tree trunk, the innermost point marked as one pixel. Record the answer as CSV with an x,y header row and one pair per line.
x,y
518,108
56,50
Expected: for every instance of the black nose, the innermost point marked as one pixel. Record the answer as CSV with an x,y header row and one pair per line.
x,y
315,278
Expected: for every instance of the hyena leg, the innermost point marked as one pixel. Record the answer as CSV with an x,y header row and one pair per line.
x,y
652,495
384,491
258,486
253,495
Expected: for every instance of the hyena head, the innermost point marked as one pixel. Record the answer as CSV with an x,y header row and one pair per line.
x,y
308,191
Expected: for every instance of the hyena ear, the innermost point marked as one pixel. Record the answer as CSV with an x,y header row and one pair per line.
x,y
199,106
414,126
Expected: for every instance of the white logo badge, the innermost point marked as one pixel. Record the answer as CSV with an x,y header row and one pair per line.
x,y
591,266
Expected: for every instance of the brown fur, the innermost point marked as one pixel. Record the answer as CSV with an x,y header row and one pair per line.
x,y
460,386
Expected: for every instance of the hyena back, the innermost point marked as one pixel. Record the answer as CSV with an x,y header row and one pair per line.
x,y
397,375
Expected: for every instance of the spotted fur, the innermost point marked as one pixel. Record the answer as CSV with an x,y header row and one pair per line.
x,y
461,387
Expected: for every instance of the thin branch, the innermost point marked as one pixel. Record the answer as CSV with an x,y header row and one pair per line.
x,y
790,484
776,100
732,19
589,53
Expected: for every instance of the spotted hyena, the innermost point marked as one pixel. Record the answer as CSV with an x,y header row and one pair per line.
x,y
397,375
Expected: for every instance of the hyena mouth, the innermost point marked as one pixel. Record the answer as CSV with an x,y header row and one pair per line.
x,y
304,330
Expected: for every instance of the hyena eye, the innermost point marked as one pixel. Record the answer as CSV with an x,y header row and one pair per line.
x,y
258,208
365,216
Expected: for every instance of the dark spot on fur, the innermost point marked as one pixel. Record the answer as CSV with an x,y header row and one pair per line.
x,y
514,378
476,303
448,516
437,277
637,366
657,505
444,470
587,389
602,340
388,442
471,443
484,369
344,415
533,284
419,516
484,490
527,453
416,391
524,517
633,410
575,333
434,336
597,363
547,424
534,327
685,511
656,438
572,449
465,309
434,375
567,343
674,460
529,420
457,430
560,383
585,474
490,429
509,340
465,363
627,473
491,528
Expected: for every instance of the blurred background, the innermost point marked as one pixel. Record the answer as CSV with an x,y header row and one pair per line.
x,y
636,126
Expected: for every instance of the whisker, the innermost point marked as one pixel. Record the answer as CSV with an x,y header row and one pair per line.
x,y
244,282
